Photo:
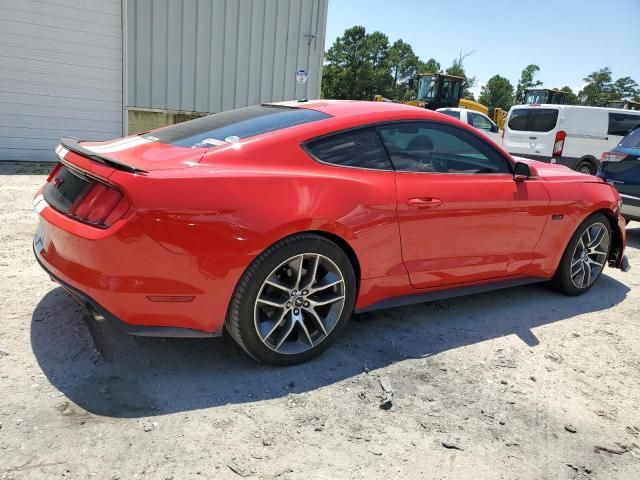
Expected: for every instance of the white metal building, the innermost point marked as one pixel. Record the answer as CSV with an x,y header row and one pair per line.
x,y
85,68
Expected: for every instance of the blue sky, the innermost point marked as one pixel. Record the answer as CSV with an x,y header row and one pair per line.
x,y
567,39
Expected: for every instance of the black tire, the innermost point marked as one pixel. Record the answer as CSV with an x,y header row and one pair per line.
x,y
241,324
586,167
562,280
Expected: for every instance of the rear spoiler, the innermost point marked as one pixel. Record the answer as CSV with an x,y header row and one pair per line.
x,y
73,144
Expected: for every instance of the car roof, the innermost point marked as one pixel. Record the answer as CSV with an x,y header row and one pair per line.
x,y
575,107
453,109
345,108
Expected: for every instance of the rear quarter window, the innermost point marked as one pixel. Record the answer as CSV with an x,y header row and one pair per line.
x,y
622,123
533,119
358,148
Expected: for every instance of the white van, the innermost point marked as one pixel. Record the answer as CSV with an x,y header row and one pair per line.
x,y
567,134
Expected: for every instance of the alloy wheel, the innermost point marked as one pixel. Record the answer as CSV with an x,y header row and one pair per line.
x,y
590,255
299,303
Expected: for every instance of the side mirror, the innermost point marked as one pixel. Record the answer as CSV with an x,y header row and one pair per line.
x,y
521,172
494,128
412,83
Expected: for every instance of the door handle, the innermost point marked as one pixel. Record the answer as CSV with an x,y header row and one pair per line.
x,y
424,202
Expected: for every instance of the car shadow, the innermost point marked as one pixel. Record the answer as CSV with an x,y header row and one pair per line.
x,y
111,374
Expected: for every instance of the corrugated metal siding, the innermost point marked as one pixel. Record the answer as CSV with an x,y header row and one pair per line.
x,y
60,74
215,55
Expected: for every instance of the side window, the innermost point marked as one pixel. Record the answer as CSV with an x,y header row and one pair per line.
x,y
622,123
479,121
359,148
439,148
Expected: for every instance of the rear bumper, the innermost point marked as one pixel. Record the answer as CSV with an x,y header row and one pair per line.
x,y
101,314
128,279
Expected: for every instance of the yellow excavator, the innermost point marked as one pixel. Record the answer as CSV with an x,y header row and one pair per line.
x,y
438,90
622,104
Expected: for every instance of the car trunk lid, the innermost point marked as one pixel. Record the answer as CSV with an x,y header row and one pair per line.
x,y
135,154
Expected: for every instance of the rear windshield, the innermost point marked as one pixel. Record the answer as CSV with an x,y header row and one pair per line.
x,y
451,113
533,119
632,140
234,125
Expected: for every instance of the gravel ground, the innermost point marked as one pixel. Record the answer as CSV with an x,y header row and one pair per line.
x,y
522,383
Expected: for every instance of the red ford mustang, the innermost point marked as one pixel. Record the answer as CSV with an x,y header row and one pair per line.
x,y
278,221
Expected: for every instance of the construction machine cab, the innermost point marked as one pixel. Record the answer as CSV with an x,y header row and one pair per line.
x,y
437,90
545,95
623,104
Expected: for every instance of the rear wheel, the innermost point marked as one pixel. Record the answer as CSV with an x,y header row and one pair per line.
x,y
293,301
585,256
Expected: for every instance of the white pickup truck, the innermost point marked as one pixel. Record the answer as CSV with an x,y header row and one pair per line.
x,y
476,120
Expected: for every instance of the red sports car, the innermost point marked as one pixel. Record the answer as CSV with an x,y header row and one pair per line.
x,y
277,221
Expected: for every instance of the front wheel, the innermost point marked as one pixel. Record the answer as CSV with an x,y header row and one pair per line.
x,y
293,301
585,256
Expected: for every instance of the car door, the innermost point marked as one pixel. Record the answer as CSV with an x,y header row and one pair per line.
x,y
462,218
485,125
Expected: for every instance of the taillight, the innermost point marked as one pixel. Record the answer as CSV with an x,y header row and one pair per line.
x,y
612,157
101,205
502,136
558,145
53,173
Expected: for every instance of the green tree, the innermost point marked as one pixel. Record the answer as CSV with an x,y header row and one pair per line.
x,y
572,98
526,82
457,69
357,66
598,88
404,64
497,93
625,88
430,66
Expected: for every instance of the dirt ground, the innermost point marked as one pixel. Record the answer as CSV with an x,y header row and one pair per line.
x,y
517,384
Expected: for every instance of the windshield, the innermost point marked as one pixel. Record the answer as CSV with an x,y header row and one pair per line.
x,y
234,125
535,96
427,89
